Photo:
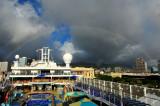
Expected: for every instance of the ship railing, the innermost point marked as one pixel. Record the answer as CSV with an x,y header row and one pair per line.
x,y
58,74
119,93
42,80
63,81
23,74
42,74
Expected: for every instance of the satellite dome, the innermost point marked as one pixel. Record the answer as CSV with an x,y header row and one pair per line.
x,y
17,56
67,58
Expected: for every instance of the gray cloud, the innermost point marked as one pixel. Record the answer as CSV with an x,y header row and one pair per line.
x,y
109,31
19,24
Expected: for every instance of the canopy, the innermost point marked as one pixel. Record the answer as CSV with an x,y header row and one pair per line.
x,y
83,102
41,75
73,94
73,76
76,94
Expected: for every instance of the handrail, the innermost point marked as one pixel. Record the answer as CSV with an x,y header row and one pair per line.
x,y
127,91
43,74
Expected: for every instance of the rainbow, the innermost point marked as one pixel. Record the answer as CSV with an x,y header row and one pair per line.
x,y
81,28
119,35
20,46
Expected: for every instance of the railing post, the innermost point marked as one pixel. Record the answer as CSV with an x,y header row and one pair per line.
x,y
114,97
145,94
99,84
82,82
119,88
93,85
89,85
121,99
94,82
136,97
104,85
111,86
130,87
120,91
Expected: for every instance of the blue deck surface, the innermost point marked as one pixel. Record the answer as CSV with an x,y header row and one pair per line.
x,y
39,103
41,99
41,96
37,99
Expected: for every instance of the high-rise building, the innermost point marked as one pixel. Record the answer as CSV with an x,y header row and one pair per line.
x,y
3,66
140,65
118,69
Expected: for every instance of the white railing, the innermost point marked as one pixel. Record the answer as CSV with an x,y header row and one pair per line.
x,y
42,74
149,96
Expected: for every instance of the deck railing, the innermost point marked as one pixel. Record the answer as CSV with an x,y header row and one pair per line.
x,y
125,93
41,80
42,74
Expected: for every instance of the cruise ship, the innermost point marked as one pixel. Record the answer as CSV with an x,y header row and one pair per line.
x,y
43,73
44,83
42,77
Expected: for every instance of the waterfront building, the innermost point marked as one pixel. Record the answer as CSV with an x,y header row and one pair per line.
x,y
117,69
140,65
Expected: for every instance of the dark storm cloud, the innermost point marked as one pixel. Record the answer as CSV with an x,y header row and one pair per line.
x,y
90,21
118,16
110,31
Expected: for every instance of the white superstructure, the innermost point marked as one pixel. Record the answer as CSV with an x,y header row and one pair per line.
x,y
44,65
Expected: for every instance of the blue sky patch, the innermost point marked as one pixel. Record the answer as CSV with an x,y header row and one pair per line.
x,y
62,34
37,5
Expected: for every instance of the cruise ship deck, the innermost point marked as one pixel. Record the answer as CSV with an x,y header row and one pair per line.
x,y
41,78
44,83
